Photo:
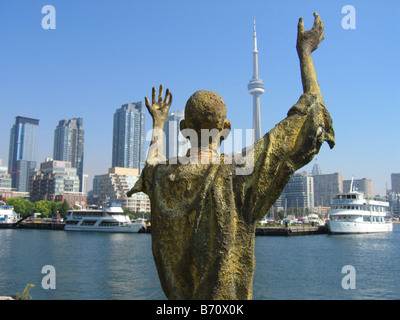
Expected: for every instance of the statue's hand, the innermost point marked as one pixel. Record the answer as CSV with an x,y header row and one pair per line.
x,y
159,108
308,41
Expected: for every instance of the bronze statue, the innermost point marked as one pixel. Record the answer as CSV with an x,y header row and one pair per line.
x,y
203,215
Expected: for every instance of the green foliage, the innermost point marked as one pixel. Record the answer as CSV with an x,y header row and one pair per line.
x,y
21,205
45,207
62,208
30,207
138,215
53,209
135,215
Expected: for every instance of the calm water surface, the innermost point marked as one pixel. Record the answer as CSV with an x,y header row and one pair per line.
x,y
120,266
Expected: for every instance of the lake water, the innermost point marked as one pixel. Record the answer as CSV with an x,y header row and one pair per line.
x,y
120,266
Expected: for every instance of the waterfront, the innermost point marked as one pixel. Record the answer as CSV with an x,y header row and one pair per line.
x,y
120,266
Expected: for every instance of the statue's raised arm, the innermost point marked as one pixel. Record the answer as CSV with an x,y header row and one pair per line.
x,y
295,140
158,110
307,42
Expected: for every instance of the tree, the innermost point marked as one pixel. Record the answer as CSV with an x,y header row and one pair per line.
x,y
30,207
53,209
44,207
62,208
20,205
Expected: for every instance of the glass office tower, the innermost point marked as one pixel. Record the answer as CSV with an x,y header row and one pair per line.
x,y
129,136
69,139
22,152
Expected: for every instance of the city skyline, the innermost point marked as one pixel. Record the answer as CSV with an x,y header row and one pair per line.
x,y
177,145
98,57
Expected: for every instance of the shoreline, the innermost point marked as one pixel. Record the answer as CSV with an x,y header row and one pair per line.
x,y
259,231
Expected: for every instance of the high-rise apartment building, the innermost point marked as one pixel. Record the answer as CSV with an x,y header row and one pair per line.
x,y
129,136
325,187
363,185
54,178
394,200
114,186
69,139
5,185
299,192
176,144
22,151
5,178
96,185
395,177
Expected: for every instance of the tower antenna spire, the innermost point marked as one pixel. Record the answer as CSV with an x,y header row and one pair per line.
x,y
256,88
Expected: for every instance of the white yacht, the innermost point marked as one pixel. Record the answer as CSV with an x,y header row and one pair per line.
x,y
7,214
111,219
353,212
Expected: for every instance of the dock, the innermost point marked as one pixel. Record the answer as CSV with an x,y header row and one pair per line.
x,y
33,225
42,225
291,231
276,231
260,231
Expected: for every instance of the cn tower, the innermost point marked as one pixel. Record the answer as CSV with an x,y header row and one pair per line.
x,y
256,88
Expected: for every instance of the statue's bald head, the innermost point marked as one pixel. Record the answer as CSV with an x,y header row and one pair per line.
x,y
205,110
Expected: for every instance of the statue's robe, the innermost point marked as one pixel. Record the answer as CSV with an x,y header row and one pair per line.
x,y
203,216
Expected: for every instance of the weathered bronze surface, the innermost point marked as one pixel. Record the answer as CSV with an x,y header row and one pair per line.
x,y
204,214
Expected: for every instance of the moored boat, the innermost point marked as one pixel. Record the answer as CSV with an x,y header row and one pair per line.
x,y
353,212
110,219
7,214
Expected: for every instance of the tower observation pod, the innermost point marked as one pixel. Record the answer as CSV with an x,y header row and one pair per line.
x,y
256,88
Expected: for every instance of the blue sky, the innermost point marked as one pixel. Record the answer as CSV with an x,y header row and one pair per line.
x,y
106,53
